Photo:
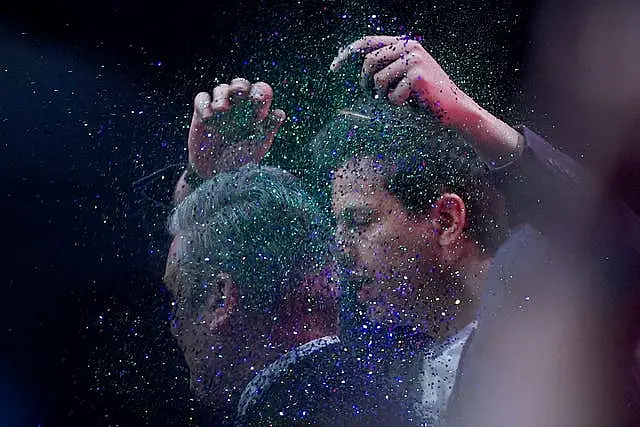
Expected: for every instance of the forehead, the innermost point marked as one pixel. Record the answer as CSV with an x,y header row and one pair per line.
x,y
170,278
360,183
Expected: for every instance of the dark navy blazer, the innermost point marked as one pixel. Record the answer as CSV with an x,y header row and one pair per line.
x,y
574,259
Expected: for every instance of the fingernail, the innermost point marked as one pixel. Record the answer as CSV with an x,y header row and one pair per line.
x,y
217,102
204,110
279,118
257,97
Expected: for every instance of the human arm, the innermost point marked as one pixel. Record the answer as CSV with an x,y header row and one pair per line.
x,y
401,69
538,181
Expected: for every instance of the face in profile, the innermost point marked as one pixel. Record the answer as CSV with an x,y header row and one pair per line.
x,y
216,356
225,345
391,252
250,272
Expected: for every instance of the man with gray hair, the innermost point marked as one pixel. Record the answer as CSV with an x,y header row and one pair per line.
x,y
250,271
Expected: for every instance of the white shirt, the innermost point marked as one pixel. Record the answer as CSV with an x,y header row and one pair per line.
x,y
438,375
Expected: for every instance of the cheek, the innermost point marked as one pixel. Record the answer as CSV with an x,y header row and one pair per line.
x,y
187,332
370,245
182,332
198,349
399,251
386,240
377,250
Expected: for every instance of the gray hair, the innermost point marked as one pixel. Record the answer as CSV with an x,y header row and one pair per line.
x,y
258,225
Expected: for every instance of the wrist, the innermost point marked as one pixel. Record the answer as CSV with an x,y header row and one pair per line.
x,y
192,178
495,141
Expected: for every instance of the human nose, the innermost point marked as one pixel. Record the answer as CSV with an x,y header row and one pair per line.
x,y
178,317
346,244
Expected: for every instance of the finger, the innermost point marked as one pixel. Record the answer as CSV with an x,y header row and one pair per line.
x,y
261,96
202,110
401,93
273,123
199,144
202,106
390,76
378,60
181,190
200,147
239,89
363,45
275,120
221,101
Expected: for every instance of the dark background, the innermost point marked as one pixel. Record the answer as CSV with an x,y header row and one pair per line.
x,y
94,95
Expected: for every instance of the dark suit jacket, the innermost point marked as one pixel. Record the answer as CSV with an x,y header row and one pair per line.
x,y
327,386
555,340
559,197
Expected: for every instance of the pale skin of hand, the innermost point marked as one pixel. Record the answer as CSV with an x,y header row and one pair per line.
x,y
401,69
231,127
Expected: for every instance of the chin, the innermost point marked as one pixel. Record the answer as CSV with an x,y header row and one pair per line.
x,y
220,391
385,314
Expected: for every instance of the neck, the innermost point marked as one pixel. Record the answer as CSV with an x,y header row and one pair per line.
x,y
474,273
299,322
469,274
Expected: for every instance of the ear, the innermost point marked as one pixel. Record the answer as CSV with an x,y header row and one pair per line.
x,y
223,302
449,218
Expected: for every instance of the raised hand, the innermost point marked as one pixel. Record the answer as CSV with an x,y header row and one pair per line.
x,y
400,69
232,126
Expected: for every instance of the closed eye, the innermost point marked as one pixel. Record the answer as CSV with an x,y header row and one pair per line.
x,y
357,217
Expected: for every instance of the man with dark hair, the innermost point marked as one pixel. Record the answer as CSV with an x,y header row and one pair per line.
x,y
516,370
418,224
